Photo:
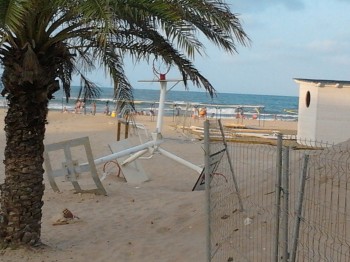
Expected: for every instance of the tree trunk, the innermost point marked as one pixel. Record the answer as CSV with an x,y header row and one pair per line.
x,y
23,188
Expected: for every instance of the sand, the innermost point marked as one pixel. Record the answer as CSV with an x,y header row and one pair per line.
x,y
158,220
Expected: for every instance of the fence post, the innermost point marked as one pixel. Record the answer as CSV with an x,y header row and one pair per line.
x,y
207,184
299,207
278,193
231,167
285,210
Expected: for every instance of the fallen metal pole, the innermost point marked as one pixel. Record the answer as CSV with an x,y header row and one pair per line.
x,y
135,156
180,160
127,152
124,153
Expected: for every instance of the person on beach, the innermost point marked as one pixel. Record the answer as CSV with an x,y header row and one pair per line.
x,y
239,112
93,111
178,111
203,112
77,107
107,108
195,113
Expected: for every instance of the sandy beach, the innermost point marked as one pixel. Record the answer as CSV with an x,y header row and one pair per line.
x,y
158,220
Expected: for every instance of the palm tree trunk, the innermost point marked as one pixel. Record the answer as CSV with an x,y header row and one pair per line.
x,y
23,188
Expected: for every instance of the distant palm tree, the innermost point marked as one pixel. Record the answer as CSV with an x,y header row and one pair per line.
x,y
44,43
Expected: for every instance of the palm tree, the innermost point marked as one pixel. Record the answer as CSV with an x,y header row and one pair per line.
x,y
44,43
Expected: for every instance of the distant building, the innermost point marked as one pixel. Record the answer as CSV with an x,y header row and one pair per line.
x,y
324,110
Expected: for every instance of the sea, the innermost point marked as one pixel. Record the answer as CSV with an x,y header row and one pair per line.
x,y
222,105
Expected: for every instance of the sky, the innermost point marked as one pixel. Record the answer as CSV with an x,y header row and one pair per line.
x,y
289,39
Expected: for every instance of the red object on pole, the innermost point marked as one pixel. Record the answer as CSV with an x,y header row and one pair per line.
x,y
162,77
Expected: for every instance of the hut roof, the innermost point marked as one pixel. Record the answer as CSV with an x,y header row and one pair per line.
x,y
323,82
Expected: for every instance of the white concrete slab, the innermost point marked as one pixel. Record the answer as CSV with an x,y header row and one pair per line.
x,y
132,171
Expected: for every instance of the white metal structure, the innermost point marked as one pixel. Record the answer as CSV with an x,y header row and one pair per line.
x,y
157,135
153,145
71,168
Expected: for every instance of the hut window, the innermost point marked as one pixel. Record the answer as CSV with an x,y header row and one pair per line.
x,y
308,98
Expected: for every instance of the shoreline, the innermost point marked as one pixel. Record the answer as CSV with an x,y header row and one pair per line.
x,y
254,122
265,109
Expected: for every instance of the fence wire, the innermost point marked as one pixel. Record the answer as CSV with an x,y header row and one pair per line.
x,y
325,217
266,229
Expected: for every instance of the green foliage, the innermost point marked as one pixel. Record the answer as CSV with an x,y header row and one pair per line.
x,y
72,37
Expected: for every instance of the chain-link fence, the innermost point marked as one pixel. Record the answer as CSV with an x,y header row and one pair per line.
x,y
273,202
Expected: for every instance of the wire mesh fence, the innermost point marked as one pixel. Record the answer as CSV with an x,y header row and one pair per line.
x,y
272,202
325,218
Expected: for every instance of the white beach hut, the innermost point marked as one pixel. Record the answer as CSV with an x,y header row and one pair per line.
x,y
324,110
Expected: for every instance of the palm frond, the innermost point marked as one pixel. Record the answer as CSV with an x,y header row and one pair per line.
x,y
114,64
214,20
73,36
88,89
12,13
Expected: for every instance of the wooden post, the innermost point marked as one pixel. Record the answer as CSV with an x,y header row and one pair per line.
x,y
126,131
118,130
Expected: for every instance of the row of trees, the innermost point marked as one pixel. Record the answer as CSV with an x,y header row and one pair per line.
x,y
44,43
